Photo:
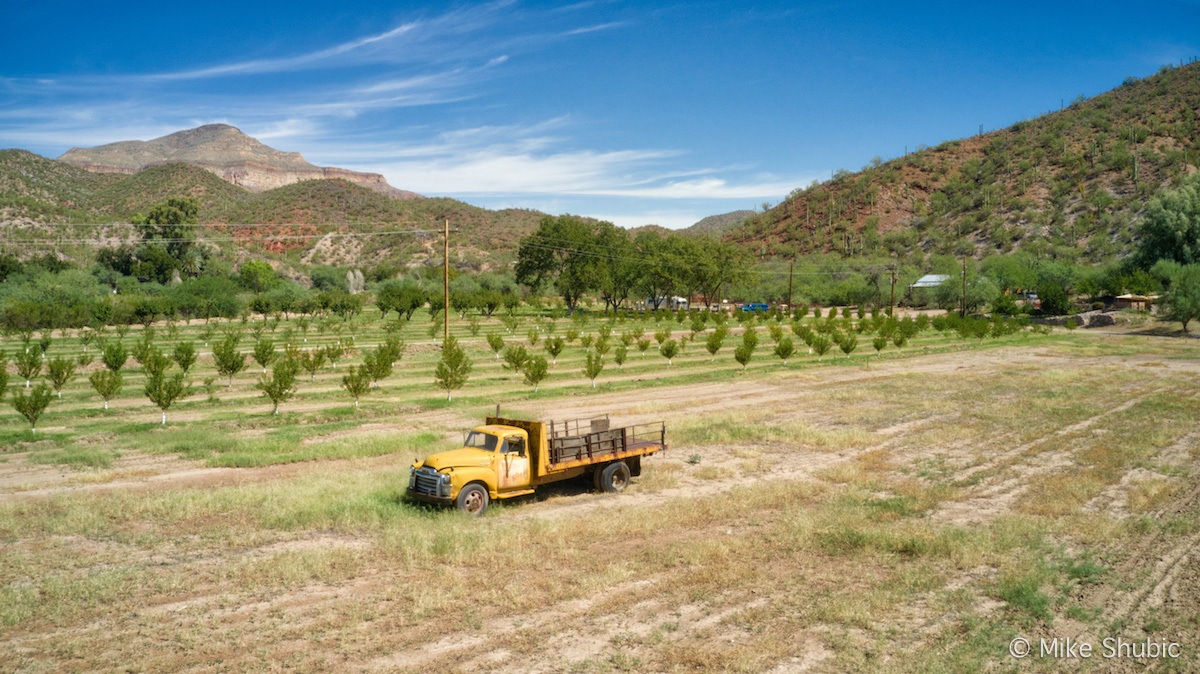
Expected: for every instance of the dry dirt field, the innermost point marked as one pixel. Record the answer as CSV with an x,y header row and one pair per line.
x,y
909,515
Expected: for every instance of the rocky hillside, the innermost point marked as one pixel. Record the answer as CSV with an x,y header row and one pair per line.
x,y
1070,184
226,152
44,202
719,224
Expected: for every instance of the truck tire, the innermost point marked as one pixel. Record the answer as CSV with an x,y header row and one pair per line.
x,y
472,499
614,478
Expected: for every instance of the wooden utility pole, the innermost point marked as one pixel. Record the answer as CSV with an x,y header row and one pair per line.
x,y
963,313
892,302
791,272
446,279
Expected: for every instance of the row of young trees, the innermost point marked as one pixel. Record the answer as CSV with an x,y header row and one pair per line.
x,y
167,373
167,376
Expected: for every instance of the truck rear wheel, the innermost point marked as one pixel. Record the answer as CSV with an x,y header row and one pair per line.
x,y
614,478
472,499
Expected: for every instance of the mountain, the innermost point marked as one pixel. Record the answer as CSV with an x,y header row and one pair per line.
x,y
227,153
330,221
719,224
1070,184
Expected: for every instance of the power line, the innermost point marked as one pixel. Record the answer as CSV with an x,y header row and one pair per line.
x,y
648,261
228,239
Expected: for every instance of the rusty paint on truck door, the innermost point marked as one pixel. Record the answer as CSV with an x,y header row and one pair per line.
x,y
512,467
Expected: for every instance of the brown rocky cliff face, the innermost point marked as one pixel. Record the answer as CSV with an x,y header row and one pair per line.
x,y
226,152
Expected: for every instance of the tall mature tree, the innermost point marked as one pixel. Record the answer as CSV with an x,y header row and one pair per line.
x,y
617,267
1182,301
403,297
562,251
661,266
168,223
1171,227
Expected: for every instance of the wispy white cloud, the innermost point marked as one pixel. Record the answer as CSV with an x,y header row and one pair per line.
x,y
283,64
540,160
407,42
594,29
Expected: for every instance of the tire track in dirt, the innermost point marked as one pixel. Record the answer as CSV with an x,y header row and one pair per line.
x,y
994,497
1169,566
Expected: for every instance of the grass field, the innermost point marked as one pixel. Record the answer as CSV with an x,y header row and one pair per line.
x,y
912,511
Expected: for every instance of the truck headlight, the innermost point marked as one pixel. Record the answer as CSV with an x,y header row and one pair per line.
x,y
445,478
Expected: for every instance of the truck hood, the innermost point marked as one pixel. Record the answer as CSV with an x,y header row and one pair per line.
x,y
459,458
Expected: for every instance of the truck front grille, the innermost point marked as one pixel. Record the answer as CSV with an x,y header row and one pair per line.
x,y
429,482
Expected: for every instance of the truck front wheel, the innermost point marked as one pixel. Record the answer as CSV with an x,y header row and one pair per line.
x,y
472,499
614,477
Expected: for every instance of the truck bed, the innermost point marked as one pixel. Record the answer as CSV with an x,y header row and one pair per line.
x,y
606,445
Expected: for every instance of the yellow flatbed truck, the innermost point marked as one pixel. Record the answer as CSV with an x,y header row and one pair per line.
x,y
505,458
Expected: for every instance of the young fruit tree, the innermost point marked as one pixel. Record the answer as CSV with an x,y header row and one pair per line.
x,y
714,342
264,353
536,371
357,383
334,352
107,384
154,362
743,354
378,363
555,346
114,355
821,345
29,363
880,342
621,355
784,349
184,356
453,368
281,385
163,390
60,371
643,344
848,344
311,361
669,349
228,359
496,342
515,358
593,366
30,404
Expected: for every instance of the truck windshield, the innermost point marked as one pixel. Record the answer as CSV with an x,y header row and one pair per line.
x,y
483,441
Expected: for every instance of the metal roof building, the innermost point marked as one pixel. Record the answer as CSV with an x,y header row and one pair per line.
x,y
930,281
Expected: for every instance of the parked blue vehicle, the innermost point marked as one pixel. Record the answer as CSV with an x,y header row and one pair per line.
x,y
756,307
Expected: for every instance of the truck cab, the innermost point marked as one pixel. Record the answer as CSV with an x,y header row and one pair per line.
x,y
493,455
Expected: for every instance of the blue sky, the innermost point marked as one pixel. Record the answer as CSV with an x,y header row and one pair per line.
x,y
632,112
